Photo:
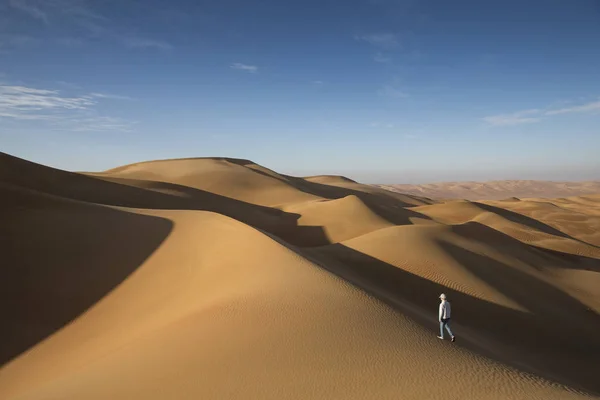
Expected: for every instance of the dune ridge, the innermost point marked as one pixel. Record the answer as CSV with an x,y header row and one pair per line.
x,y
220,278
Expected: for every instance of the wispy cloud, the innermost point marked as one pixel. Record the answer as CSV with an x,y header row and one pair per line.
x,y
48,11
504,120
317,82
380,40
109,96
245,67
30,8
391,91
521,117
76,113
21,101
537,115
79,15
589,107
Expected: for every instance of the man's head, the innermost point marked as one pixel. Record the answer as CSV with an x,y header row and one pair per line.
x,y
442,296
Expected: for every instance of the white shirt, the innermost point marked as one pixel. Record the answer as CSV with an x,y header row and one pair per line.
x,y
444,310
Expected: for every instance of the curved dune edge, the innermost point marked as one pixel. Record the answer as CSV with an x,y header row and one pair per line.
x,y
200,304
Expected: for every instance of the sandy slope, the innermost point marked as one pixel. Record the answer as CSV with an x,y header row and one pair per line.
x,y
498,190
219,278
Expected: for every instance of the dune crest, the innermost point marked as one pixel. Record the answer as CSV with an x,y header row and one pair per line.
x,y
220,278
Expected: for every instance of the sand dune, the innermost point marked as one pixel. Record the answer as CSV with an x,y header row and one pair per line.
x,y
222,279
498,190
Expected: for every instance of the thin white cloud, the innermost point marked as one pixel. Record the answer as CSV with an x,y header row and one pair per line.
x,y
22,89
380,40
504,120
391,91
19,115
109,96
593,106
537,115
75,113
24,100
79,15
29,7
244,67
517,118
317,82
47,10
80,9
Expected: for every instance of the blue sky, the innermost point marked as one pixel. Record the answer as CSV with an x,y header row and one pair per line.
x,y
383,91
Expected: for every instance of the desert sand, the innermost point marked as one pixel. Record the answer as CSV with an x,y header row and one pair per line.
x,y
498,190
216,278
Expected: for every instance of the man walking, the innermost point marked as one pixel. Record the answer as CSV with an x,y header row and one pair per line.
x,y
444,317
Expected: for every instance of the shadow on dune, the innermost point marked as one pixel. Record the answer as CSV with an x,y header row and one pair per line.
x,y
546,304
280,223
393,210
59,258
546,341
535,256
527,221
155,195
149,194
572,260
390,207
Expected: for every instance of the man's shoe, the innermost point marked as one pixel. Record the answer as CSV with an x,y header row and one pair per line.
x,y
440,337
453,339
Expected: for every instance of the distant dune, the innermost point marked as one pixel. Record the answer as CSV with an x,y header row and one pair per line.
x,y
217,278
497,190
